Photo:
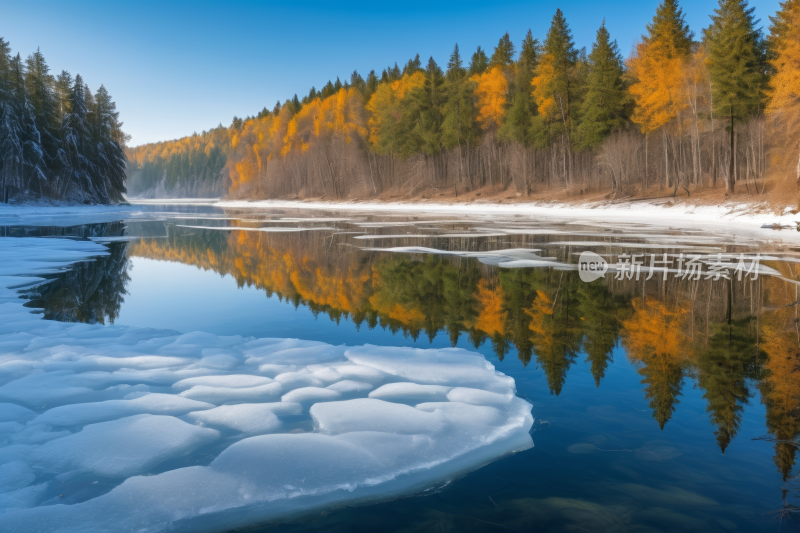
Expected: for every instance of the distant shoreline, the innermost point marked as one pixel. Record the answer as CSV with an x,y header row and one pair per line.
x,y
759,217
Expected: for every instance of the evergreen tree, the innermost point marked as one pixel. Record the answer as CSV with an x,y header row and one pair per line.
x,y
12,136
561,51
606,101
459,117
297,106
327,90
529,52
336,86
39,85
432,102
670,30
109,142
413,65
371,85
75,144
63,88
503,54
357,81
737,77
479,62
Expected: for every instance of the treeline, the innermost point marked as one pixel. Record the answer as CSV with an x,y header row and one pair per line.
x,y
189,167
682,112
57,139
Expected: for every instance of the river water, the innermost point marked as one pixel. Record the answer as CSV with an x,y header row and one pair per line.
x,y
663,404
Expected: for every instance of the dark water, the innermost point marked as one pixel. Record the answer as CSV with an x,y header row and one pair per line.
x,y
660,405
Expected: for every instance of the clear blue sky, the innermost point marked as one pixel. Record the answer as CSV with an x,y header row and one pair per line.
x,y
179,67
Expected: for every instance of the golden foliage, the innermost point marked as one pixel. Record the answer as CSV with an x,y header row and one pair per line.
x,y
492,317
654,331
657,85
543,83
491,90
785,84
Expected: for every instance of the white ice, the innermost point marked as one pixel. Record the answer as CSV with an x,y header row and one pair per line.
x,y
198,432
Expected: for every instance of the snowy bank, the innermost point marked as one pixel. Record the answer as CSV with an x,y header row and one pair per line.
x,y
749,218
124,429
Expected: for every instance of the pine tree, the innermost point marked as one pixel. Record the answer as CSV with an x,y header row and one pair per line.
x,y
39,85
479,62
371,85
459,118
518,123
297,106
109,142
736,77
670,30
503,54
63,88
431,105
555,90
75,145
357,81
562,57
12,137
327,90
606,102
529,52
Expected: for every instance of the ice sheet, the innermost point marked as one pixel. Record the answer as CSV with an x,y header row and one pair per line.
x,y
183,443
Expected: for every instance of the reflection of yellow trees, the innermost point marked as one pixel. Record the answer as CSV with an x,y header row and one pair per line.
x,y
658,347
556,331
492,316
780,388
543,314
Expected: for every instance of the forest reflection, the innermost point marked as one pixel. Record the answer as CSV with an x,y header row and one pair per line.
x,y
92,291
729,337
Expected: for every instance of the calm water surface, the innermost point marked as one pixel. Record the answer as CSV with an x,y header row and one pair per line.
x,y
660,405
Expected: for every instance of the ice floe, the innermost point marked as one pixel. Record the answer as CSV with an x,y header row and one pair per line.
x,y
108,428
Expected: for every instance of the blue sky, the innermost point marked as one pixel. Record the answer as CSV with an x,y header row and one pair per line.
x,y
175,68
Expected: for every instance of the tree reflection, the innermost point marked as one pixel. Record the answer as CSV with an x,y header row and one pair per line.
x,y
671,331
658,348
90,291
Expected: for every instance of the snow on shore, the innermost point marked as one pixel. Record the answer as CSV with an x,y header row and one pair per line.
x,y
108,428
742,218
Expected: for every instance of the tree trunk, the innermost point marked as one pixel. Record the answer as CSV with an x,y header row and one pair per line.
x,y
798,167
666,160
732,165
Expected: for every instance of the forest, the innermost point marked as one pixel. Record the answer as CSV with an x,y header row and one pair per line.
x,y
58,141
683,112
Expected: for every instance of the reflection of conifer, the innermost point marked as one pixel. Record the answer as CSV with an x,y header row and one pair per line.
x,y
599,312
90,291
657,346
556,330
724,368
519,293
